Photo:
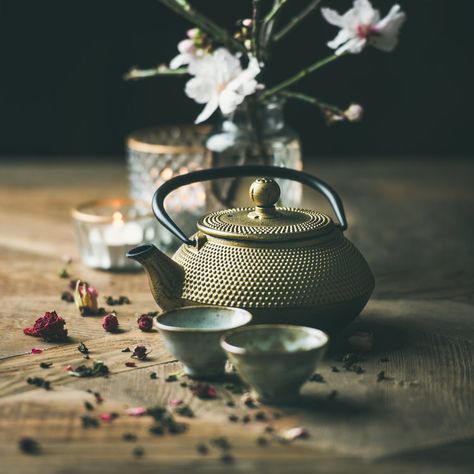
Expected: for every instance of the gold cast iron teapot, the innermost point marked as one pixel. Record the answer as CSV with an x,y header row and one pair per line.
x,y
283,265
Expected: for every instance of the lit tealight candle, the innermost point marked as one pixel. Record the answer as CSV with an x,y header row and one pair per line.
x,y
121,233
105,240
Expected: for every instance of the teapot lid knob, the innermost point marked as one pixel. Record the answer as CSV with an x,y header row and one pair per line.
x,y
265,192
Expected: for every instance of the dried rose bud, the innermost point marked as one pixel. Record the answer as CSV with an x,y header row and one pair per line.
x,y
140,352
50,327
110,323
145,323
85,298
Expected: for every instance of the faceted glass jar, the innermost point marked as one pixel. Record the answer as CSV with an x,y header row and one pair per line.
x,y
255,134
157,154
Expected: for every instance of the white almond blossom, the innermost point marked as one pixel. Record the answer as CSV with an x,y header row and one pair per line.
x,y
220,82
188,52
362,25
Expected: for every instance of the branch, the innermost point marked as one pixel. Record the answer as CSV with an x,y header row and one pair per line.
x,y
275,10
295,20
297,77
160,70
324,106
184,9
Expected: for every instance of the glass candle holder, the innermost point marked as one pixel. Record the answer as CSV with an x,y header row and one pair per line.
x,y
107,229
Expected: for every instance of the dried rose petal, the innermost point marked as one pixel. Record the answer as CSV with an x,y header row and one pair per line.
x,y
295,433
110,323
204,391
68,368
85,297
107,416
175,402
135,411
130,364
35,350
50,327
140,352
145,323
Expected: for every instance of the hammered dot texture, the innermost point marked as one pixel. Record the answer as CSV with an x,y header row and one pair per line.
x,y
291,224
263,278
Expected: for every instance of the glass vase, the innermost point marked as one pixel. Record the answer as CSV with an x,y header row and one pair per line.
x,y
256,133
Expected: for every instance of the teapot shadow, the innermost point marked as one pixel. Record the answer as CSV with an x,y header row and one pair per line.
x,y
331,408
387,337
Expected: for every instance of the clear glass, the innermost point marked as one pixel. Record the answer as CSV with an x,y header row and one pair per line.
x,y
253,134
107,229
157,154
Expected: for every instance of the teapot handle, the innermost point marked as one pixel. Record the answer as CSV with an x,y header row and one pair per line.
x,y
240,172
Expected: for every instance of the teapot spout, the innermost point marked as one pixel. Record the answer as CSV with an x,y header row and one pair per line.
x,y
165,276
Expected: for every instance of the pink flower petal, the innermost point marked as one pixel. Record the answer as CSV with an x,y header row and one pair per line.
x,y
175,402
36,350
295,433
106,416
135,411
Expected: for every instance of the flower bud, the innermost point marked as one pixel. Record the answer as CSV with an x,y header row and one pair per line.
x,y
85,298
247,22
193,33
110,323
145,323
354,113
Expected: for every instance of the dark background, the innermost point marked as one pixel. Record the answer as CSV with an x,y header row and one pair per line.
x,y
62,93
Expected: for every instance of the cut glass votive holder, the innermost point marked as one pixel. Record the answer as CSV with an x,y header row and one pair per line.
x,y
106,229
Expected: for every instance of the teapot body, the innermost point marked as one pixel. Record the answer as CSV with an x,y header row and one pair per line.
x,y
323,283
284,265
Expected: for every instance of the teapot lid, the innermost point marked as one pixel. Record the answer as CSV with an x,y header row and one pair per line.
x,y
265,222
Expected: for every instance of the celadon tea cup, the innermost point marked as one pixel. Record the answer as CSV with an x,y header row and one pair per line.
x,y
192,335
275,360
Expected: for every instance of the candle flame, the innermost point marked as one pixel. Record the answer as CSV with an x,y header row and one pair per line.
x,y
117,219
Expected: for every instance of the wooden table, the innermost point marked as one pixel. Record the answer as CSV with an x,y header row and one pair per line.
x,y
412,219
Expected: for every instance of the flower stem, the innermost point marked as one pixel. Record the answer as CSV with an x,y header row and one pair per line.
x,y
275,10
312,100
295,20
256,4
184,9
300,75
161,70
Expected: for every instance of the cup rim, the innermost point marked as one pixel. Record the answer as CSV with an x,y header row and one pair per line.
x,y
167,328
238,350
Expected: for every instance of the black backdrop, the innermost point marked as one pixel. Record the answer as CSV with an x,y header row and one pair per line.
x,y
61,92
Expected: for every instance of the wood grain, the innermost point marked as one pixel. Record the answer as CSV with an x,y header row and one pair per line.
x,y
413,223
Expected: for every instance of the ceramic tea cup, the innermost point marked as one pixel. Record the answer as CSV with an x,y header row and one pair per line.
x,y
192,335
275,360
